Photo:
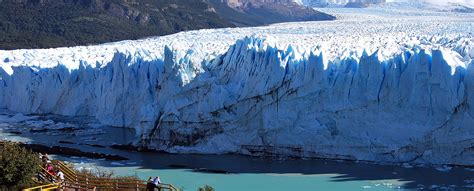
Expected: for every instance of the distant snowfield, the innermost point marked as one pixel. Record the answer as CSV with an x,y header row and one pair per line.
x,y
434,2
377,84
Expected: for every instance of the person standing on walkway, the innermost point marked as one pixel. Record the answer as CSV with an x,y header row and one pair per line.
x,y
45,158
60,174
157,182
149,184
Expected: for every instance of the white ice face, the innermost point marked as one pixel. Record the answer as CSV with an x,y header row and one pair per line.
x,y
375,28
376,84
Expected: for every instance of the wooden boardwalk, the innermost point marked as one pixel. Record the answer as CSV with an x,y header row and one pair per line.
x,y
79,182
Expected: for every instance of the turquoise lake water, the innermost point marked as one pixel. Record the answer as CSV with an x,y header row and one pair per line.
x,y
232,172
235,172
247,181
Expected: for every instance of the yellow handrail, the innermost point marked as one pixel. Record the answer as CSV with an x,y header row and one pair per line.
x,y
84,181
43,187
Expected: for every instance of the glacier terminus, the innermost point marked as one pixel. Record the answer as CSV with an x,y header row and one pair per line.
x,y
370,86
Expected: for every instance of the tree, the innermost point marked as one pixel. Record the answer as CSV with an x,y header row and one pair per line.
x,y
206,188
17,165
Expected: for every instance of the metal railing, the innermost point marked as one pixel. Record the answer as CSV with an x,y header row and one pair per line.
x,y
46,187
81,181
73,180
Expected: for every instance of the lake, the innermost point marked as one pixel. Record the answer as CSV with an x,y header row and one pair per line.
x,y
236,172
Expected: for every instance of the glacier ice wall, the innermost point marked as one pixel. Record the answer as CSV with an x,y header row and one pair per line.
x,y
256,99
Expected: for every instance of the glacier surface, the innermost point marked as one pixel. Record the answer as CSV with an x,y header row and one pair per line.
x,y
368,86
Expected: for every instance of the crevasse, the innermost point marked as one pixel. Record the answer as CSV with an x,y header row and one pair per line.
x,y
256,99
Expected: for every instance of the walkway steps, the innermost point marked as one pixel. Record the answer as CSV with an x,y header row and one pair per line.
x,y
74,181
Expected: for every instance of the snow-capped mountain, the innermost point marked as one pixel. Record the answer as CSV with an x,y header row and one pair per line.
x,y
442,6
448,5
262,12
325,3
363,87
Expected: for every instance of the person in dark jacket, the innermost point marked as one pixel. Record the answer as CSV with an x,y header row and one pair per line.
x,y
149,184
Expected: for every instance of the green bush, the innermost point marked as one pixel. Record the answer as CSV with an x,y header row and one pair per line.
x,y
206,188
104,173
96,173
17,165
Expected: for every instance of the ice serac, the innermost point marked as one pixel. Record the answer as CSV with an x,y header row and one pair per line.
x,y
257,99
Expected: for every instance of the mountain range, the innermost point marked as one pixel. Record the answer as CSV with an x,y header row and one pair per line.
x,y
464,6
345,3
262,12
55,23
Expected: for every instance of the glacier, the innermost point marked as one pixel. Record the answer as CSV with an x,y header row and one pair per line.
x,y
384,90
